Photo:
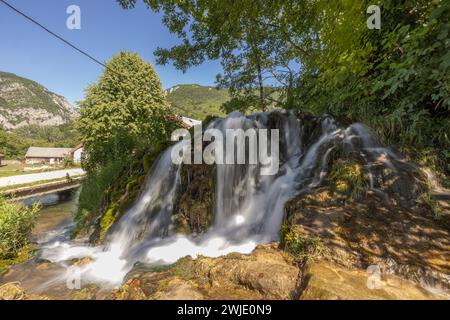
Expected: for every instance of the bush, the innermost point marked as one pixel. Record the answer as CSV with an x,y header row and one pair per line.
x,y
94,187
16,223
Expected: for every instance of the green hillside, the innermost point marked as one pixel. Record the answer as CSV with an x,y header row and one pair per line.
x,y
197,102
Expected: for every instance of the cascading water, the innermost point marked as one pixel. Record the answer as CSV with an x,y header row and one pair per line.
x,y
249,207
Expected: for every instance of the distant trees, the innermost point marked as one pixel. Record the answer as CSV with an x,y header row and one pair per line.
x,y
124,110
14,144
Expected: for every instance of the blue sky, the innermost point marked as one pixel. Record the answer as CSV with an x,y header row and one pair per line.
x,y
106,28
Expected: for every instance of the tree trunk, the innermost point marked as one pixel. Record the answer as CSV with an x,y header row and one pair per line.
x,y
261,87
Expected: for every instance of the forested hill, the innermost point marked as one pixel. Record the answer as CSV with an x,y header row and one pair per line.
x,y
196,101
25,102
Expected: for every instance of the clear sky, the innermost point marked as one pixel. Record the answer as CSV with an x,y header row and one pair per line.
x,y
106,28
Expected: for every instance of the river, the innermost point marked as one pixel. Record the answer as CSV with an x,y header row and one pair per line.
x,y
54,223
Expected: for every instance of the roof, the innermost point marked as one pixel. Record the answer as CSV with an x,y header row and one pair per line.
x,y
35,152
80,146
190,122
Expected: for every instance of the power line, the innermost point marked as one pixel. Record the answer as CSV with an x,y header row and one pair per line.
x,y
59,37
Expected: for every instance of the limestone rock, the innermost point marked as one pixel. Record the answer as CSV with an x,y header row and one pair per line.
x,y
323,280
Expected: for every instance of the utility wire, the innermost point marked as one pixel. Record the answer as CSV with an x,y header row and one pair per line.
x,y
59,37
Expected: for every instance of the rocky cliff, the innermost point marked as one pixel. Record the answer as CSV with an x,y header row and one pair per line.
x,y
24,102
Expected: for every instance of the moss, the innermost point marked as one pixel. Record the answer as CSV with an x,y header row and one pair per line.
x,y
132,184
25,254
433,205
301,247
147,162
107,221
135,165
347,178
183,268
88,293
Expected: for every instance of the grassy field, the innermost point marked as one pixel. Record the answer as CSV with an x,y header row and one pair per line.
x,y
11,170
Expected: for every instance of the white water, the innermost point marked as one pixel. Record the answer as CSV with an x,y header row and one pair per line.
x,y
249,206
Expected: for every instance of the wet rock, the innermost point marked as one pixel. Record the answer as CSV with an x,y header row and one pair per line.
x,y
178,289
130,291
82,262
268,273
195,207
325,281
13,291
357,234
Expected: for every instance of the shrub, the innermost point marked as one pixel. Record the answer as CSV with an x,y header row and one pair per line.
x,y
94,187
16,223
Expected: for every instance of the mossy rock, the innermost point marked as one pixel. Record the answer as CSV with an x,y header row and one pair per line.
x,y
147,162
107,221
194,210
348,178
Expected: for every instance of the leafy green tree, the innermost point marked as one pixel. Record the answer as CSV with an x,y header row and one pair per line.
x,y
324,58
242,34
395,79
126,109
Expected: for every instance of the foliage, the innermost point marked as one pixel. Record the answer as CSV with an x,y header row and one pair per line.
x,y
197,102
95,185
124,111
14,144
62,136
396,79
245,36
16,224
322,57
301,247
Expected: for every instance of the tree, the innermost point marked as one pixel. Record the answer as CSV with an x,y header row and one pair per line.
x,y
246,37
322,57
126,109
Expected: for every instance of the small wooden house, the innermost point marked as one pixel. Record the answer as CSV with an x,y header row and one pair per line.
x,y
37,155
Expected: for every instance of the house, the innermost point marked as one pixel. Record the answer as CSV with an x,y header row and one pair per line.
x,y
188,122
1,157
77,154
37,155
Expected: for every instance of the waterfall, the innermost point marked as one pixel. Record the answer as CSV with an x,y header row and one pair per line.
x,y
249,207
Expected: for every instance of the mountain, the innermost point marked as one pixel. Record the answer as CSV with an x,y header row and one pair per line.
x,y
196,101
24,102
